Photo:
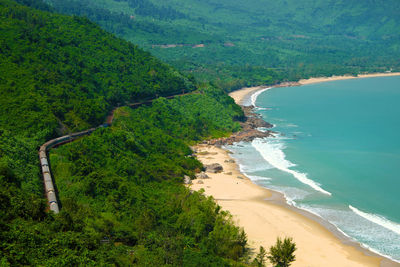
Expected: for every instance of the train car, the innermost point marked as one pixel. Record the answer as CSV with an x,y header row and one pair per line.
x,y
52,197
47,177
54,207
104,125
49,187
74,135
42,154
47,180
43,161
56,141
45,169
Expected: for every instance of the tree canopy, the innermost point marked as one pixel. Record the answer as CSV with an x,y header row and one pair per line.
x,y
238,43
121,192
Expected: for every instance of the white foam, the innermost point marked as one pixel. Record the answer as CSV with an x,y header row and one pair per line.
x,y
273,154
258,178
258,108
263,129
260,167
380,220
374,237
254,96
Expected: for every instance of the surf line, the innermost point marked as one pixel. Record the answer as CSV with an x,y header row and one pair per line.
x,y
274,155
377,219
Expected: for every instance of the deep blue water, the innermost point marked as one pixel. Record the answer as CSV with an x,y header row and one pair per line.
x,y
338,155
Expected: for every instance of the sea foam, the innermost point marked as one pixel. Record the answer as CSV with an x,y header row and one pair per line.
x,y
380,220
272,152
254,96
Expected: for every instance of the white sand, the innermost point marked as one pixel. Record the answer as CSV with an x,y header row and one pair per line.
x,y
264,221
336,78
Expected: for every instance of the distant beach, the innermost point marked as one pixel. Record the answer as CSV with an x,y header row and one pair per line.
x,y
265,215
336,78
242,96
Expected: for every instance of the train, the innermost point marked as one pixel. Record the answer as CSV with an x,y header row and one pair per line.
x,y
49,187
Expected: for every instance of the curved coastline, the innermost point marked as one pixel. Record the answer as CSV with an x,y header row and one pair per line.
x,y
247,96
251,204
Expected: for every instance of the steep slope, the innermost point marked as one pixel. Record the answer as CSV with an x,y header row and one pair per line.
x,y
243,43
121,192
66,69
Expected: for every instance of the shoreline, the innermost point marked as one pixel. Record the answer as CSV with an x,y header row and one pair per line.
x,y
243,95
265,215
346,77
253,206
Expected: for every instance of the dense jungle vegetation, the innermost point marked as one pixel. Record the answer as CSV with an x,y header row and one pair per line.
x,y
127,182
68,71
241,43
121,191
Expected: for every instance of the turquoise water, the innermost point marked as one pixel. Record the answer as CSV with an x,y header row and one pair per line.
x,y
338,155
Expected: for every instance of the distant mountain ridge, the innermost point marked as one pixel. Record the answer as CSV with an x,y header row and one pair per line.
x,y
268,41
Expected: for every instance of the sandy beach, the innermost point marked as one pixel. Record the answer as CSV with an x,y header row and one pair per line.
x,y
336,78
241,96
254,208
264,214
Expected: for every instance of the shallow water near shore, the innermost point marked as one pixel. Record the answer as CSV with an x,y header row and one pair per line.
x,y
337,155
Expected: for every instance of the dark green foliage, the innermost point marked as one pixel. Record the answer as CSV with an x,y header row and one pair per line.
x,y
282,254
60,74
131,175
38,4
123,202
256,41
68,73
260,259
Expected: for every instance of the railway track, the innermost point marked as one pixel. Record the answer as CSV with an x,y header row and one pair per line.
x,y
49,187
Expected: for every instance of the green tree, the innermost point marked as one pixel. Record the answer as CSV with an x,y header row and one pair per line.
x,y
282,254
259,260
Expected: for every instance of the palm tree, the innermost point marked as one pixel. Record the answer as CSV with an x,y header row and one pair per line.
x,y
282,254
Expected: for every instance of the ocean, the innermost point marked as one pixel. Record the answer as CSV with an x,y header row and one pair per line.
x,y
336,154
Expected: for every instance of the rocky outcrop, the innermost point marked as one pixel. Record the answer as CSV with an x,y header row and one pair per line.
x,y
213,168
250,129
187,180
202,175
255,122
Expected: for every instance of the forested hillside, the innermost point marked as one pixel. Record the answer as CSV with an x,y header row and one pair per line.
x,y
120,189
237,43
69,72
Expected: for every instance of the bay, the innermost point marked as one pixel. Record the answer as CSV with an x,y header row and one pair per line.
x,y
337,155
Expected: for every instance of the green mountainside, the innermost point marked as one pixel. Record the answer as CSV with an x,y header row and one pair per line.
x,y
121,189
256,41
70,72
